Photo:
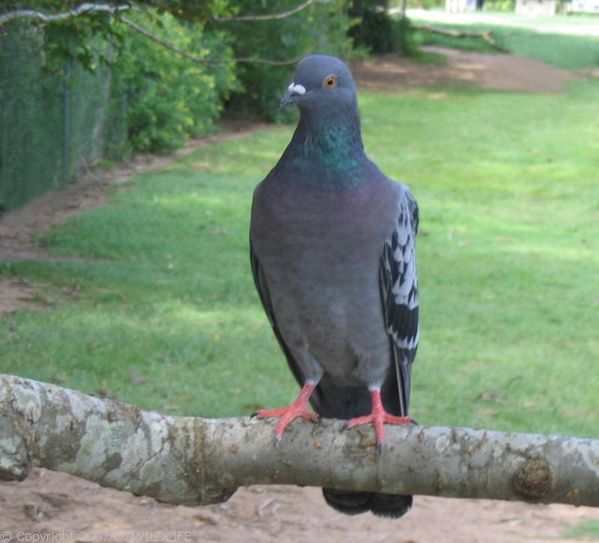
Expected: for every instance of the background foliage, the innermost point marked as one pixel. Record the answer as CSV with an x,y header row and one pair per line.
x,y
90,87
322,28
374,28
168,96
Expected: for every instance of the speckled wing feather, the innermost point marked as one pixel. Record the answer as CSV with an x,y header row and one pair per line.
x,y
399,292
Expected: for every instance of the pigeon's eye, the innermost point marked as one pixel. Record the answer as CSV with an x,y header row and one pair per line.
x,y
330,81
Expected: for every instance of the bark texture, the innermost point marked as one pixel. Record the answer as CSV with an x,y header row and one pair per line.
x,y
192,461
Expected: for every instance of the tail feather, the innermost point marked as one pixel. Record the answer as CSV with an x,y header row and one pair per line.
x,y
333,401
350,503
354,503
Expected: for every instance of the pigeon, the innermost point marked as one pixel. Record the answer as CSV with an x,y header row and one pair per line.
x,y
332,250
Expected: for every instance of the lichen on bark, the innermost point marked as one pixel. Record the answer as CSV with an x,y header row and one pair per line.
x,y
191,460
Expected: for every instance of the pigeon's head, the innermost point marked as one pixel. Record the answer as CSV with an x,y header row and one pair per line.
x,y
321,84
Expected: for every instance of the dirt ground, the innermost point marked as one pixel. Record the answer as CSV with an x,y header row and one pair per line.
x,y
76,510
57,508
499,72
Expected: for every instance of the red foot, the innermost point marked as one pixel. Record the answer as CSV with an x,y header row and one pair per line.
x,y
378,418
299,408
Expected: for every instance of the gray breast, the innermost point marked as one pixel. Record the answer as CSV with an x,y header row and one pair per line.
x,y
320,255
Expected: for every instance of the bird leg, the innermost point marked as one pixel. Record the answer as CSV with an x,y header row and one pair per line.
x,y
299,408
378,417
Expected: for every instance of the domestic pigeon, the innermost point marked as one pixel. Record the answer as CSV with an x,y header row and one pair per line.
x,y
332,247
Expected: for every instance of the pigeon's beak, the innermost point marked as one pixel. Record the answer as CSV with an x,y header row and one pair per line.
x,y
293,93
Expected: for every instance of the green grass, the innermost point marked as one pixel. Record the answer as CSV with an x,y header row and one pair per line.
x,y
421,57
166,316
467,43
540,23
562,50
585,531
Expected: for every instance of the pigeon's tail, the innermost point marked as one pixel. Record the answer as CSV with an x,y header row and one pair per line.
x,y
353,503
333,401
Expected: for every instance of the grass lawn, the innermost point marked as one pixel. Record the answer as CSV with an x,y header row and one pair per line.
x,y
585,531
563,50
167,317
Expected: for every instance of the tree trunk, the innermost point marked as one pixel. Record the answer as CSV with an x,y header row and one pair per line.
x,y
185,460
403,8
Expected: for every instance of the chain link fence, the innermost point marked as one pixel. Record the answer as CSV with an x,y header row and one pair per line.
x,y
53,123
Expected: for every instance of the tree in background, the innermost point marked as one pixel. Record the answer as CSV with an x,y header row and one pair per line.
x,y
168,96
83,81
319,28
376,30
156,48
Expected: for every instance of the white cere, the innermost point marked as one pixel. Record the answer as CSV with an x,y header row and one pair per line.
x,y
297,89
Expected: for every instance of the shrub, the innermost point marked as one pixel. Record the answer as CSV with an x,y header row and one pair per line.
x,y
377,31
169,97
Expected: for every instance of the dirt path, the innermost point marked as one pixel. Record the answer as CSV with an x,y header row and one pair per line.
x,y
390,73
67,509
20,228
53,503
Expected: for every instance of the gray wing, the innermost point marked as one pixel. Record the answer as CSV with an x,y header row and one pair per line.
x,y
399,292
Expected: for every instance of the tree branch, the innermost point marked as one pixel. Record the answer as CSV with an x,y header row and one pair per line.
x,y
185,460
166,44
195,58
48,18
88,7
267,17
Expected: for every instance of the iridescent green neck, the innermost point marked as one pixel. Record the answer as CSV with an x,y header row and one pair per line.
x,y
328,151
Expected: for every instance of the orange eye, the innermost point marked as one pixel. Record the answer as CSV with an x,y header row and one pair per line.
x,y
330,81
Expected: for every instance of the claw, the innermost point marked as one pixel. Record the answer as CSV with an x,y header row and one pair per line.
x,y
378,417
288,414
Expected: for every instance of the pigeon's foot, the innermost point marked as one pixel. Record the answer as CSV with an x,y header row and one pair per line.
x,y
299,408
377,418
